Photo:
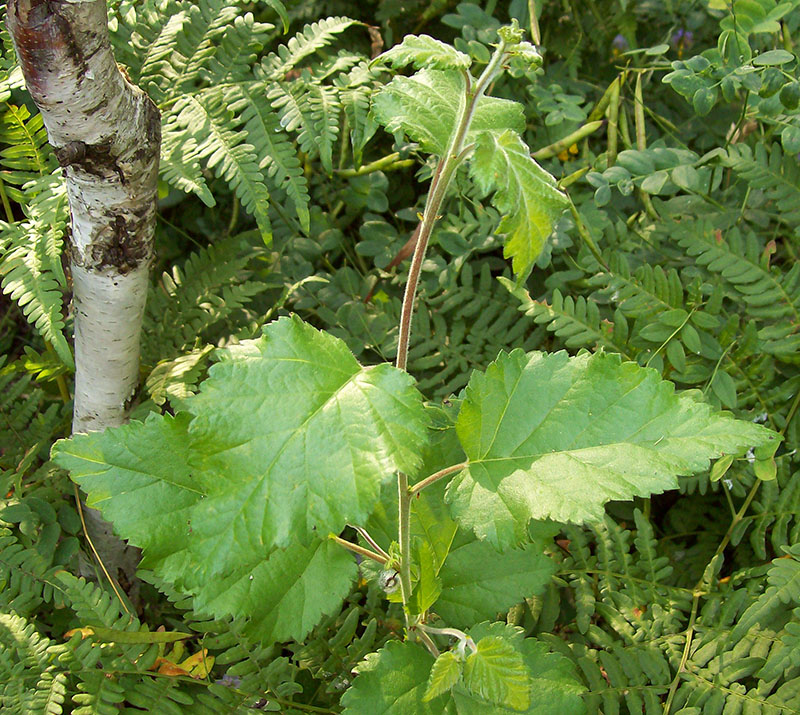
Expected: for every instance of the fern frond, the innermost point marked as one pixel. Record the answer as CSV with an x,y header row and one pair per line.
x,y
649,289
577,322
741,260
30,261
206,118
25,154
634,675
278,157
236,51
311,39
775,516
784,588
356,107
32,684
785,654
27,578
211,285
462,328
180,162
767,169
311,111
186,43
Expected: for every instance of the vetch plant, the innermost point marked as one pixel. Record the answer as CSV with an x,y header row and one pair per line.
x,y
243,499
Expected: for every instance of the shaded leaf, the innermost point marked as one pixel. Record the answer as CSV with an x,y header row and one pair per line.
x,y
478,582
394,680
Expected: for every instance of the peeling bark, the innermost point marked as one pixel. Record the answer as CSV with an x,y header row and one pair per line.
x,y
106,135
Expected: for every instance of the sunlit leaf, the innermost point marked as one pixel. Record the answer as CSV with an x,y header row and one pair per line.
x,y
548,435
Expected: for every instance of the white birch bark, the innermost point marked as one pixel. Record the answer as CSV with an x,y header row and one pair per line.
x,y
106,135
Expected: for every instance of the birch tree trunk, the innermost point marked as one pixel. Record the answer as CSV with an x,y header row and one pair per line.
x,y
106,134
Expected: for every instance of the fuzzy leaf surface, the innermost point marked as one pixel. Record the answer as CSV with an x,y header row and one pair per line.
x,y
288,440
525,194
425,107
549,436
425,51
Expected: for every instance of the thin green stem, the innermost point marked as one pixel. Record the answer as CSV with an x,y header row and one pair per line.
x,y
685,657
356,549
234,217
392,162
404,536
374,544
441,180
6,203
441,474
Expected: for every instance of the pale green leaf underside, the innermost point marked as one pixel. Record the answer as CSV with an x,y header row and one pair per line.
x,y
425,51
288,440
526,195
425,107
549,436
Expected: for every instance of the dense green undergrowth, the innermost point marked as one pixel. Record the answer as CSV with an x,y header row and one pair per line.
x,y
674,130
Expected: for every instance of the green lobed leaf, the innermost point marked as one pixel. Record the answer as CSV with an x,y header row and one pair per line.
x,y
444,675
478,582
288,440
526,195
553,685
424,51
394,680
285,594
425,107
497,673
547,435
428,586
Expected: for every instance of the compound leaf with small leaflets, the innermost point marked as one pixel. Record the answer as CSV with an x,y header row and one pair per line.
x,y
289,439
552,436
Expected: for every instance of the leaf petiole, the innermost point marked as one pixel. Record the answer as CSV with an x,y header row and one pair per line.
x,y
441,474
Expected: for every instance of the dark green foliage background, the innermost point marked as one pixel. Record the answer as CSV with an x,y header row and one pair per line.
x,y
681,256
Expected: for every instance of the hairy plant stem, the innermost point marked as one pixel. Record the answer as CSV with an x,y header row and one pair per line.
x,y
447,471
445,170
360,550
392,162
